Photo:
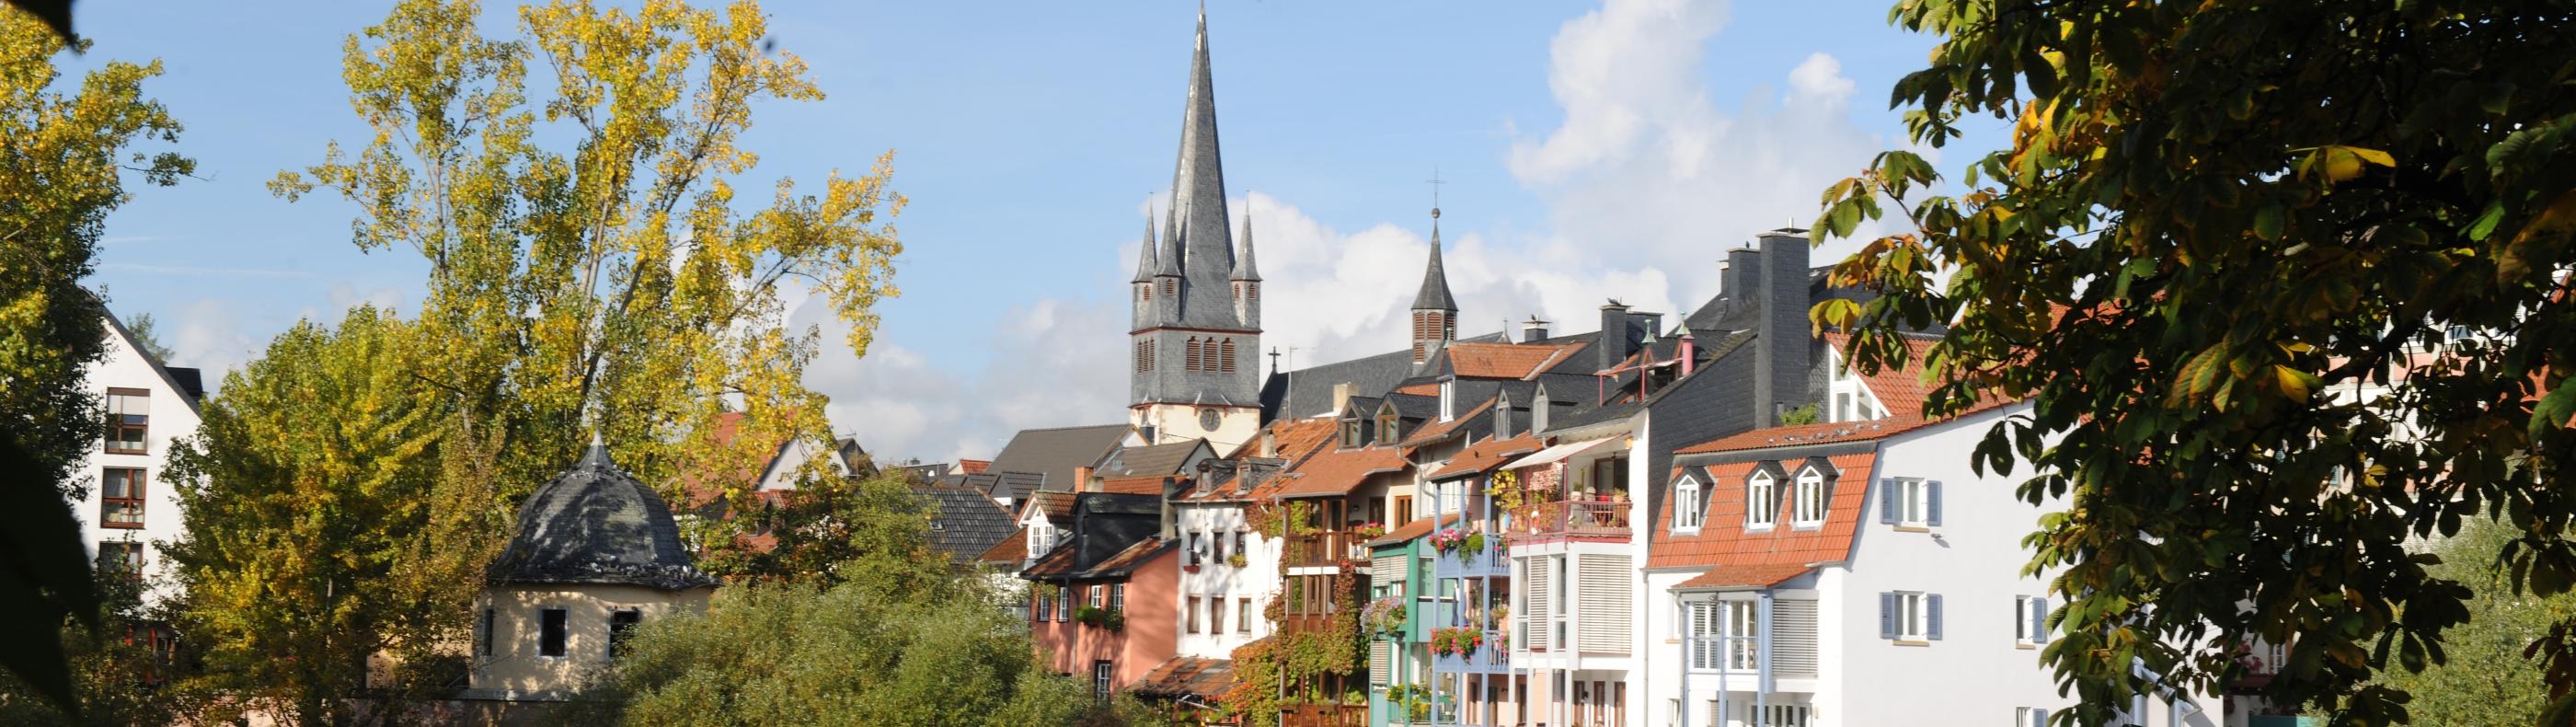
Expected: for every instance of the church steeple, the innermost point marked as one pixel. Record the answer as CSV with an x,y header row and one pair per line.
x,y
1247,279
1198,315
1435,313
1145,256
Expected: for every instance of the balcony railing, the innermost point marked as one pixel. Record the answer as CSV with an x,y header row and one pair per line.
x,y
1487,658
1492,560
1323,549
1577,517
1308,714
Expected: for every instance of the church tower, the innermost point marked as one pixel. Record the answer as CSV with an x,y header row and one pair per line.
x,y
1196,339
1435,314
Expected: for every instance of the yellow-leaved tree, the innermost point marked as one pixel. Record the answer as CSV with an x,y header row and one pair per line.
x,y
590,269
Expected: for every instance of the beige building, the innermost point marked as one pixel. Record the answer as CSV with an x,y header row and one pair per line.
x,y
595,554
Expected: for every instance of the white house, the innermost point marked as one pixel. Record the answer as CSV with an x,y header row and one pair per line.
x,y
127,509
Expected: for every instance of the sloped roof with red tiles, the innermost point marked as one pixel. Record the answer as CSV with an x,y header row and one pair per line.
x,y
1901,390
1407,532
1427,388
1295,440
1488,454
1058,506
973,466
1799,435
1009,550
1748,576
1722,541
1335,471
1138,485
1504,360
1187,676
1436,431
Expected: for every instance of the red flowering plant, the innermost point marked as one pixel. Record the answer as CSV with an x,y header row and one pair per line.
x,y
1447,540
1456,640
1370,530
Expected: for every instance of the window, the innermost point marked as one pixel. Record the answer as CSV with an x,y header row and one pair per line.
x,y
1686,501
1190,355
621,622
1909,616
2030,717
1808,507
483,633
1386,429
1225,357
2030,620
1243,615
1842,406
1063,604
1704,644
120,502
1216,614
1238,545
1100,671
124,558
1095,595
1144,356
551,632
128,417
1761,501
1167,286
1743,646
1351,434
1779,715
1041,608
1118,596
1190,550
1403,511
1910,502
1191,604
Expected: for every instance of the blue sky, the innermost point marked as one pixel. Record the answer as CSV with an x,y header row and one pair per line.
x,y
1590,150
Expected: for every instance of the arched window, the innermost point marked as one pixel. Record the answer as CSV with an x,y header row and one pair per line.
x,y
1167,286
1761,501
1252,290
1226,357
1190,355
1807,506
1145,292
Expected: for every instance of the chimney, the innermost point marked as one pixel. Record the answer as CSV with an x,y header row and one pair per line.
x,y
1614,341
1689,349
1743,274
1342,393
1533,329
1082,480
1781,339
1269,442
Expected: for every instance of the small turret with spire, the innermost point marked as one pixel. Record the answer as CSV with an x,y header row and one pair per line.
x,y
1435,313
1247,277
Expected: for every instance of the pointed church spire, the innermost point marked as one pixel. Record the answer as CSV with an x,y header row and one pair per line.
x,y
1243,268
1145,256
1435,280
1196,243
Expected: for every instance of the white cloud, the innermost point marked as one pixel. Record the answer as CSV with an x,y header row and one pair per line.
x,y
208,336
1646,183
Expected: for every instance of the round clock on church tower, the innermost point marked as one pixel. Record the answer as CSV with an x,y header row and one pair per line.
x,y
1208,419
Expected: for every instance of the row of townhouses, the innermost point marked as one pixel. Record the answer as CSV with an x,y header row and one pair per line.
x,y
1700,519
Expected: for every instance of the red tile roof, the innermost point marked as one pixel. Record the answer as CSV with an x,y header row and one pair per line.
x,y
1149,485
1058,506
1487,455
1338,471
973,466
1902,390
1187,675
1723,542
1421,389
1805,434
1436,431
1010,551
1504,360
1408,531
1750,576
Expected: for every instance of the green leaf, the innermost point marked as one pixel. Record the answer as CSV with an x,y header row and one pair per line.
x,y
2268,221
2486,223
2553,410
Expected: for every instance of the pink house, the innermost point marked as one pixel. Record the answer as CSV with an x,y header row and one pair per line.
x,y
1103,601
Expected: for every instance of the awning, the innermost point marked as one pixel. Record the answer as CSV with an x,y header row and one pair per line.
x,y
1557,452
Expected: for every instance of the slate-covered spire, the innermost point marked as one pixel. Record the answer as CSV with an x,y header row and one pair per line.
x,y
1197,244
1243,268
1435,281
1145,255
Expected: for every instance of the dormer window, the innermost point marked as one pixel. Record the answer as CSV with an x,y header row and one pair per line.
x,y
1761,502
1351,434
1808,503
1686,512
1386,428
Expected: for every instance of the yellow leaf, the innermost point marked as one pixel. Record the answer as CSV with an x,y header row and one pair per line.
x,y
2295,384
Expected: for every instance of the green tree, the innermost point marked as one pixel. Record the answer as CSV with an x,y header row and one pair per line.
x,y
63,153
828,523
147,335
309,488
2487,680
855,654
2220,260
118,676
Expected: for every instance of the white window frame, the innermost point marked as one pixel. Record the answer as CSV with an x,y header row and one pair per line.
x,y
1706,645
1913,616
1743,634
1761,501
1913,502
1808,499
1686,511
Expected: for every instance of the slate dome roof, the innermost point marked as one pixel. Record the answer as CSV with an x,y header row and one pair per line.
x,y
596,524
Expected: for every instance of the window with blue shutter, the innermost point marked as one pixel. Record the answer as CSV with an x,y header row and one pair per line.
x,y
1932,504
1887,614
1886,501
1932,616
2039,620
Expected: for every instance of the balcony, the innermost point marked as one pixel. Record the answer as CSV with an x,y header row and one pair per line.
x,y
1309,714
1601,518
1310,550
1490,657
1490,561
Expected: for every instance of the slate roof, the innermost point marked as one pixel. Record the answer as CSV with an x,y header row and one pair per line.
x,y
1186,676
596,524
1149,460
968,522
1055,453
1308,391
1723,543
1111,535
1434,294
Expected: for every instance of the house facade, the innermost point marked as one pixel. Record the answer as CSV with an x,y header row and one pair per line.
x,y
128,507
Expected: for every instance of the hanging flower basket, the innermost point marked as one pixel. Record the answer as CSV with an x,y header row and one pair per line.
x,y
1448,540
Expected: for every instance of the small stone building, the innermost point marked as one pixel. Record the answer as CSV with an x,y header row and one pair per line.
x,y
596,553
